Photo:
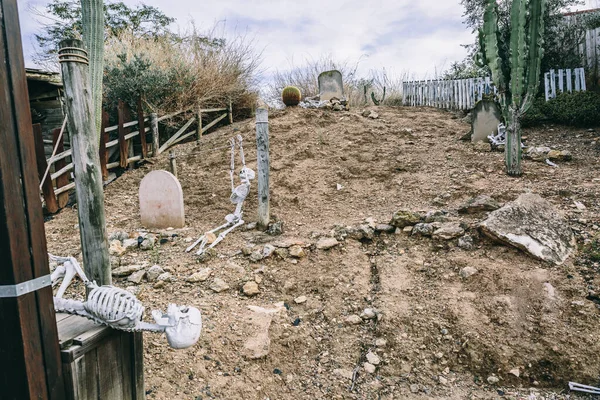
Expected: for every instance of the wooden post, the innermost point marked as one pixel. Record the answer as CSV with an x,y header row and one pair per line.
x,y
103,140
47,189
173,161
86,161
230,111
63,180
123,149
142,128
262,153
199,127
28,335
155,137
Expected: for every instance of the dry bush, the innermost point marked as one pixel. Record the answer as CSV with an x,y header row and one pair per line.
x,y
177,72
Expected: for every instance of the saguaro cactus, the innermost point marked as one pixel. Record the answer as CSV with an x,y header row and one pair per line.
x,y
515,67
93,36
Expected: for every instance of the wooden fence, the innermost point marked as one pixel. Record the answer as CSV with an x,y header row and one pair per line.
x,y
56,185
460,94
568,81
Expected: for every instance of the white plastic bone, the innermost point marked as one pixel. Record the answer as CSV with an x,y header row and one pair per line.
x,y
238,196
120,309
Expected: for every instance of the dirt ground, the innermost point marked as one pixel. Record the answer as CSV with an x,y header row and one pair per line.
x,y
444,336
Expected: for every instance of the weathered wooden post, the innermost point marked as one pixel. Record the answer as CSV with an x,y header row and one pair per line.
x,y
199,127
29,348
154,130
230,112
262,154
86,161
173,161
103,140
142,127
47,189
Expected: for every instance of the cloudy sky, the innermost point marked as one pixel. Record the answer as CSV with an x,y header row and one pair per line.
x,y
415,36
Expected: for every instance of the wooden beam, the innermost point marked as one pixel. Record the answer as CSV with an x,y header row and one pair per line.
x,y
169,142
207,127
155,135
230,112
86,160
61,180
140,114
262,155
103,139
123,148
28,335
47,189
199,127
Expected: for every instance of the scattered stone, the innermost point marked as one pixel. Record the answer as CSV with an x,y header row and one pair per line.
x,y
436,216
275,228
515,371
492,380
247,250
373,358
297,252
384,228
380,342
135,290
373,115
153,273
482,147
137,276
550,291
300,300
466,242
556,155
256,256
407,229
127,270
338,186
199,276
479,204
250,226
161,201
282,253
130,243
422,229
148,242
119,235
159,285
219,285
448,231
369,313
404,218
210,237
354,320
532,224
344,373
326,243
369,368
268,250
537,153
442,380
116,249
250,288
414,388
468,272
165,277
258,344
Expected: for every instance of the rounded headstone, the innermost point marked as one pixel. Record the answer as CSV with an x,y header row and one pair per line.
x,y
161,201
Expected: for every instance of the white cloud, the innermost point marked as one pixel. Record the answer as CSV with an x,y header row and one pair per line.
x,y
400,35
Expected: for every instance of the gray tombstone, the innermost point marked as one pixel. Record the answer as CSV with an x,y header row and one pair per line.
x,y
331,85
161,201
486,118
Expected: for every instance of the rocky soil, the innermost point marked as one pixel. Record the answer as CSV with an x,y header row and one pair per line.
x,y
336,303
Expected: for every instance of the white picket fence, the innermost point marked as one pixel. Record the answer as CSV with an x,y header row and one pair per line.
x,y
461,94
568,81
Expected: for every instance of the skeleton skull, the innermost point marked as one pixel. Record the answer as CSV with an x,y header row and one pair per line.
x,y
182,325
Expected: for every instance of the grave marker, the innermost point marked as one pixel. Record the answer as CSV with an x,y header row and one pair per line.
x,y
331,85
486,117
161,201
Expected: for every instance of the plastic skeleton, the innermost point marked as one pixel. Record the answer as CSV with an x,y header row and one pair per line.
x,y
500,138
238,196
120,309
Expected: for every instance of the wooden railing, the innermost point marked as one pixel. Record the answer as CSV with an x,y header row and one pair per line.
x,y
56,186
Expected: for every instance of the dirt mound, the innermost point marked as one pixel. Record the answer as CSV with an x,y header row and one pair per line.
x,y
515,322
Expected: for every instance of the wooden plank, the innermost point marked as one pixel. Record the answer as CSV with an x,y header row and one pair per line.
x,y
262,155
169,142
109,373
47,189
65,189
61,316
177,113
61,172
86,160
71,327
28,330
137,350
104,136
123,147
61,163
207,110
126,125
126,363
84,377
207,127
553,83
569,82
141,128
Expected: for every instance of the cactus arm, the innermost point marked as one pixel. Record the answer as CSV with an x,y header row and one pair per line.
x,y
518,47
536,51
93,36
489,38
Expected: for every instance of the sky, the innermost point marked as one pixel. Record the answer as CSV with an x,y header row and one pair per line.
x,y
418,37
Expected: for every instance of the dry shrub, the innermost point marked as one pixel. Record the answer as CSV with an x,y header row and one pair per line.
x,y
177,72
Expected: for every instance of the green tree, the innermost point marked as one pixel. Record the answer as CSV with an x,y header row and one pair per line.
x,y
66,22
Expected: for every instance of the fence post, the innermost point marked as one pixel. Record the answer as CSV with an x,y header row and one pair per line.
x,y
173,162
155,137
28,334
230,111
199,127
103,139
47,189
262,154
142,127
86,161
123,150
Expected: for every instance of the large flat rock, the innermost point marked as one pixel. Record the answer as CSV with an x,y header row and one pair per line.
x,y
533,225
